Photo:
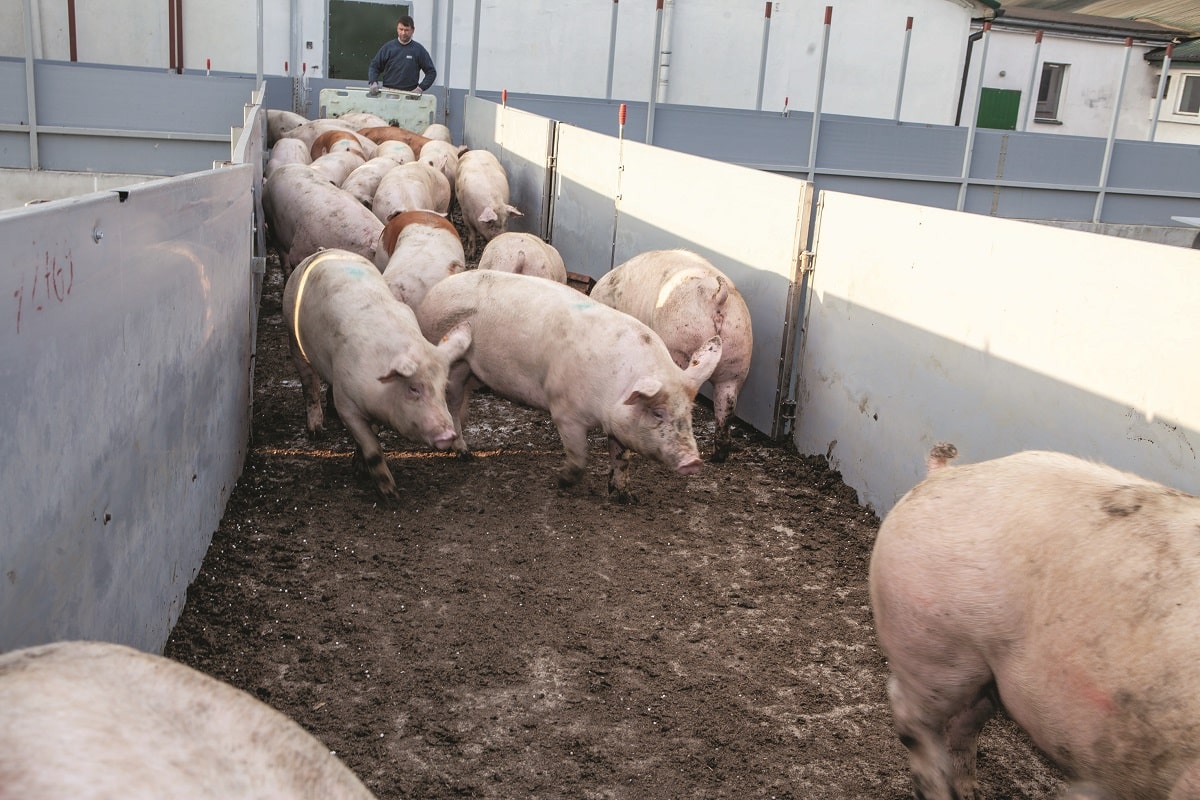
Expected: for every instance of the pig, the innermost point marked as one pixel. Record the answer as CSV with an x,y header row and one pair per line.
x,y
362,119
444,158
345,328
95,720
309,130
525,254
337,165
280,122
398,151
481,187
286,151
363,182
438,132
546,346
410,187
1066,592
306,212
686,300
417,249
333,140
383,133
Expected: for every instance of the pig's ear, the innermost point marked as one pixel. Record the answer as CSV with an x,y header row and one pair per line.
x,y
514,211
456,341
403,366
488,215
645,389
703,362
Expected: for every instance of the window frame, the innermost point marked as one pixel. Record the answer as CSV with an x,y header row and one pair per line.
x,y
1189,89
1054,78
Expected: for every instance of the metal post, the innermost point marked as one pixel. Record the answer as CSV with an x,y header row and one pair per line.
x,y
816,120
1162,83
612,253
258,72
1030,93
968,150
30,87
903,68
612,52
762,64
658,23
1112,132
475,48
446,65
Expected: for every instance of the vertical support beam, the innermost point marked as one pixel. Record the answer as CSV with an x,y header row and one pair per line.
x,y
816,120
72,33
258,73
1162,84
903,68
612,52
969,147
1031,99
170,35
658,24
30,87
446,65
179,36
475,49
762,62
1112,133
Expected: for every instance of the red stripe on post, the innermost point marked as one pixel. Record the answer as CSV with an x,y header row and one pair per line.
x,y
828,14
908,24
1038,39
769,9
621,114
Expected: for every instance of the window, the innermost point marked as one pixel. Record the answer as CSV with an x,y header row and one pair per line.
x,y
1189,95
1050,91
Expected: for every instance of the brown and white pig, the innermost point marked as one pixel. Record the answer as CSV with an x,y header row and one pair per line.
x,y
95,720
411,187
310,129
1063,590
286,151
346,328
544,345
686,300
525,254
481,188
363,182
306,212
417,249
334,140
383,133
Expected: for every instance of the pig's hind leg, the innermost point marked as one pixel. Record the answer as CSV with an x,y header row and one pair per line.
x,y
938,721
311,381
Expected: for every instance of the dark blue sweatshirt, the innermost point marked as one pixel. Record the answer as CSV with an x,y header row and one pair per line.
x,y
400,66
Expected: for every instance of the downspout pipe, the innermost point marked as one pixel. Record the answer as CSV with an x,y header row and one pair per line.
x,y
962,87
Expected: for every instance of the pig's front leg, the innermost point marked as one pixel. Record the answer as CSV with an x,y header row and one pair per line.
x,y
619,457
369,454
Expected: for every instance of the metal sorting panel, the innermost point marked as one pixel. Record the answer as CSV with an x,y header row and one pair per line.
x,y
414,112
125,369
614,199
926,325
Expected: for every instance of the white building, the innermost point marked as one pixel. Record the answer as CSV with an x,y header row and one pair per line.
x,y
733,53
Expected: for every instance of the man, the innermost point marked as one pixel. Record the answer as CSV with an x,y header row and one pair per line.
x,y
402,63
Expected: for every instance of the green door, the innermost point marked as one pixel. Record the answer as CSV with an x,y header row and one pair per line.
x,y
356,32
998,109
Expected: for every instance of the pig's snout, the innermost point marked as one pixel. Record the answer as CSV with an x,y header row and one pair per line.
x,y
689,465
443,439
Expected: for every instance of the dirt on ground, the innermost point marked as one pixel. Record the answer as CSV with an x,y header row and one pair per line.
x,y
494,636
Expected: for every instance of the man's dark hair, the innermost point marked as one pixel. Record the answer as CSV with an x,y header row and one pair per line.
x,y
406,21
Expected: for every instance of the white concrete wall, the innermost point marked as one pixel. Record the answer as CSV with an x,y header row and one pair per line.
x,y
562,46
998,336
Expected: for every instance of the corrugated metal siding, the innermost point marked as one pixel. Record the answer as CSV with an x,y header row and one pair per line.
x,y
1183,14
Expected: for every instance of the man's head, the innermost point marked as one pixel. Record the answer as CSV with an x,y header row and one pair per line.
x,y
404,29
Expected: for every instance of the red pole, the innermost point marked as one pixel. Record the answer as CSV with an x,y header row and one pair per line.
x,y
828,14
769,9
621,115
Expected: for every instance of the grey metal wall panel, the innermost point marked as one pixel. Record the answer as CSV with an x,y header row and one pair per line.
x,y
872,146
97,97
586,181
1035,158
1155,167
14,150
138,155
125,375
14,108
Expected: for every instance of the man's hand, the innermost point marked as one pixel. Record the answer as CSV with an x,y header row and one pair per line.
x,y
373,88
418,90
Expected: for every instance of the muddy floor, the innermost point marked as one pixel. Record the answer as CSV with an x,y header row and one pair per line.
x,y
493,636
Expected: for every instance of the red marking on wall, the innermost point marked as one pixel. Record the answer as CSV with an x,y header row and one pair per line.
x,y
49,286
